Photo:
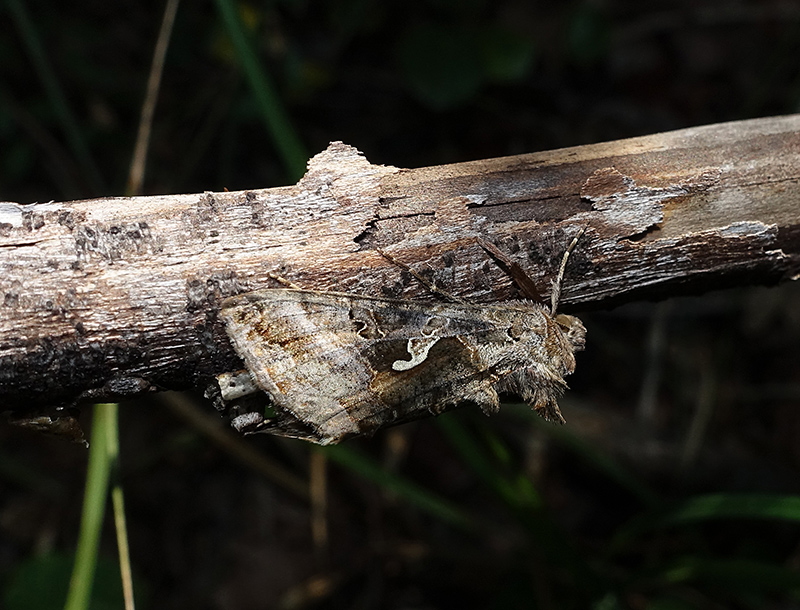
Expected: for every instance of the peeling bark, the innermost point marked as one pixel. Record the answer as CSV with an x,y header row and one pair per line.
x,y
118,296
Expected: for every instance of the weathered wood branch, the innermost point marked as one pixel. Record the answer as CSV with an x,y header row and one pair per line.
x,y
121,295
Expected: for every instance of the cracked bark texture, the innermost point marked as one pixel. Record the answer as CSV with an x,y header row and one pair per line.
x,y
117,296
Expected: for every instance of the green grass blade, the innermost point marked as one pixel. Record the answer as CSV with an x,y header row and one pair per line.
x,y
118,503
366,468
94,504
286,140
516,494
520,495
735,506
735,575
712,507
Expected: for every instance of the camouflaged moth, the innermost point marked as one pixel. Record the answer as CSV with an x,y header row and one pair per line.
x,y
338,365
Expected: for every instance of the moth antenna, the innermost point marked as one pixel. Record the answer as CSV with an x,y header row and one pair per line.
x,y
425,282
282,280
555,294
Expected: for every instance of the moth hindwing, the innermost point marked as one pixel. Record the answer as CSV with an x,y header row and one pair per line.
x,y
338,365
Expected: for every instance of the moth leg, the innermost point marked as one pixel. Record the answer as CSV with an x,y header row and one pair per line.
x,y
429,285
247,422
549,411
282,280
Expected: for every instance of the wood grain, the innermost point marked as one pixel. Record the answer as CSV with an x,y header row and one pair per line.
x,y
118,296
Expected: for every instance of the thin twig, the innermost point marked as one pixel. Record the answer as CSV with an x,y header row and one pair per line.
x,y
136,175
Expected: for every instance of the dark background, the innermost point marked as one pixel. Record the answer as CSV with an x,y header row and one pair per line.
x,y
671,401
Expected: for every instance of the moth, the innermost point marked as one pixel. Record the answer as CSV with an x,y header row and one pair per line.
x,y
337,365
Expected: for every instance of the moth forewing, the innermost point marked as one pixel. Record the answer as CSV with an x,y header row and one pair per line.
x,y
337,365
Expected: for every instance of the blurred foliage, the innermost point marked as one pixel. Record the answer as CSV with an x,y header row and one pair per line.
x,y
589,35
41,582
611,511
445,65
411,85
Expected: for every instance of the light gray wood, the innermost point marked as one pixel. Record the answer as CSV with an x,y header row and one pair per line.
x,y
122,294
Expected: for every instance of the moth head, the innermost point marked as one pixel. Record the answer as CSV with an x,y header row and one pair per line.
x,y
573,329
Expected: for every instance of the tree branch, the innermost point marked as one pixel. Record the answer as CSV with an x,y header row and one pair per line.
x,y
120,295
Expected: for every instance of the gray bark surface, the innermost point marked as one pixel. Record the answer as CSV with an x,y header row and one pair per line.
x,y
118,296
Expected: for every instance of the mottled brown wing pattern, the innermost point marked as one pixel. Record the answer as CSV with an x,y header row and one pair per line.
x,y
337,365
